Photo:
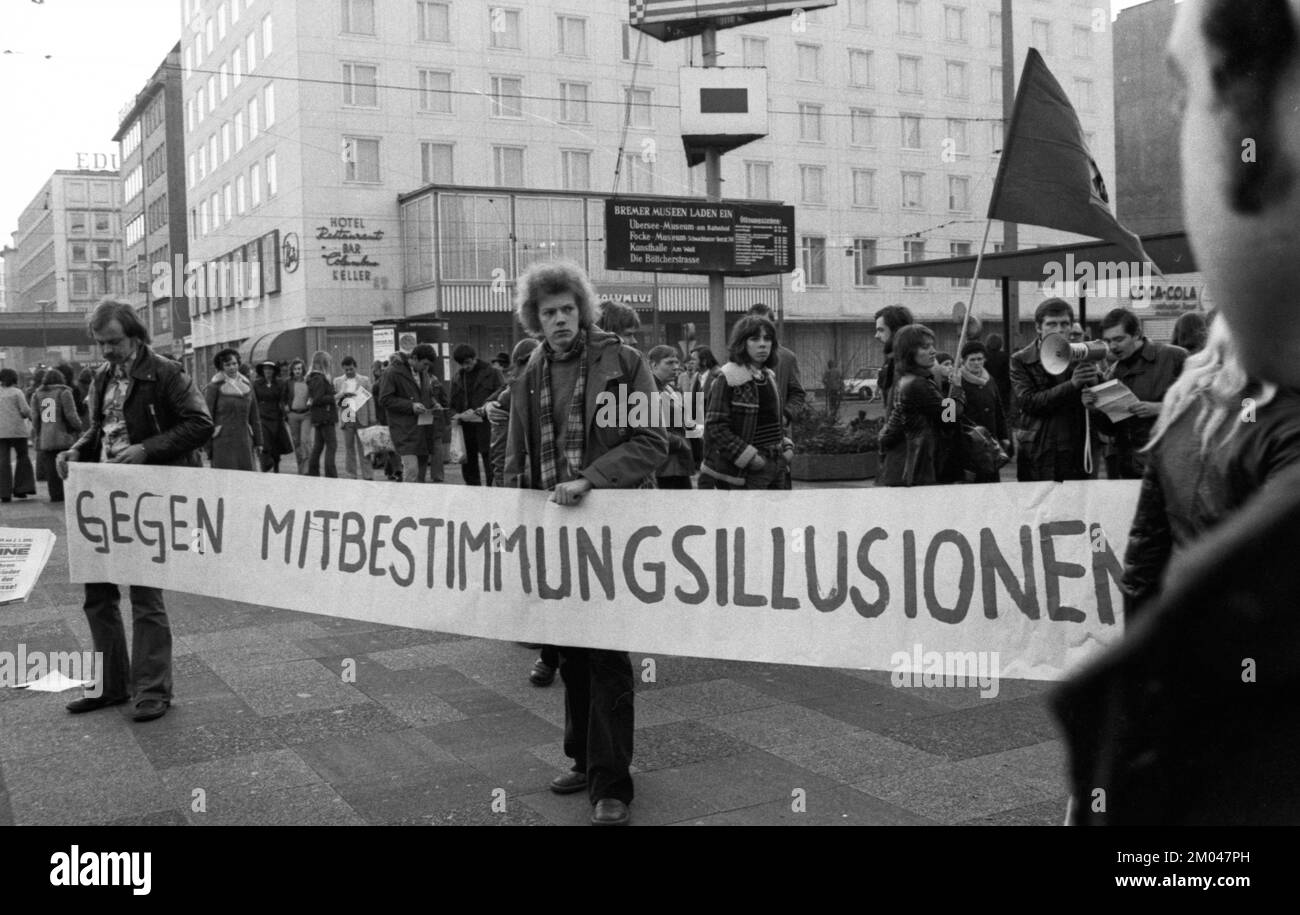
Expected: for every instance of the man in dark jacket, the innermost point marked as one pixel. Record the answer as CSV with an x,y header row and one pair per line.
x,y
414,400
1146,368
473,386
1053,431
143,410
556,444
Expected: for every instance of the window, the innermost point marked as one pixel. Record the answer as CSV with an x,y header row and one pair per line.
x,y
913,191
228,196
255,184
503,28
864,187
958,193
909,17
225,142
860,68
957,133
241,200
859,13
909,74
639,174
810,122
237,65
361,159
101,192
190,171
198,97
134,182
1083,94
812,184
995,30
203,162
212,93
80,284
862,127
234,11
507,97
954,23
207,33
996,137
812,251
913,251
753,52
268,105
433,21
435,91
508,166
995,85
572,36
250,51
1041,36
1082,42
758,180
155,166
223,75
358,18
436,163
959,249
911,124
864,258
190,120
221,22
573,103
809,57
638,102
957,86
239,130
360,85
189,61
272,179
212,152
79,254
633,40
214,204
576,166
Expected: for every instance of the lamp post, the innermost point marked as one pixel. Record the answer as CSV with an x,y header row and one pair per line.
x,y
103,263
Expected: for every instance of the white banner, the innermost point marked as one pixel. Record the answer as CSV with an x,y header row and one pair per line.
x,y
831,577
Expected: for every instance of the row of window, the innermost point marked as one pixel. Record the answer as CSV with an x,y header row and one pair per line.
x,y
94,193
258,115
90,284
155,165
194,54
813,260
229,74
82,224
235,198
81,254
154,218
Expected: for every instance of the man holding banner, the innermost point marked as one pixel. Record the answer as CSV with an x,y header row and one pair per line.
x,y
556,444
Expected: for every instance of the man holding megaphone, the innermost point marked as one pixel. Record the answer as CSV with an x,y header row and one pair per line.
x,y
1046,379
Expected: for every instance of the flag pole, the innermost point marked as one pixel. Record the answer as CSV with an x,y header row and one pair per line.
x,y
974,285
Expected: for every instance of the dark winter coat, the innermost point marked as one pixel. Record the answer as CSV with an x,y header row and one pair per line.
x,y
320,390
399,392
910,441
475,387
1148,373
64,425
984,408
680,462
731,422
1050,443
272,411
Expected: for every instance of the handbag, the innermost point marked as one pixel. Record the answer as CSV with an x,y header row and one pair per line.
x,y
984,453
375,439
456,451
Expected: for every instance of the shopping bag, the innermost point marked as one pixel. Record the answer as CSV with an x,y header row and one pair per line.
x,y
375,439
456,451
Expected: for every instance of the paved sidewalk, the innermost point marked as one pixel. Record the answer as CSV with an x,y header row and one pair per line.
x,y
446,730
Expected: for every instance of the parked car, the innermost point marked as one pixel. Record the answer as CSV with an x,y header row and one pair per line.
x,y
862,386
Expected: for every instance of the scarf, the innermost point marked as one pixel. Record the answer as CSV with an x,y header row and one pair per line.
x,y
238,386
980,380
574,426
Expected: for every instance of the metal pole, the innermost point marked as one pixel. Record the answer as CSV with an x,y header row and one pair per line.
x,y
713,188
1010,231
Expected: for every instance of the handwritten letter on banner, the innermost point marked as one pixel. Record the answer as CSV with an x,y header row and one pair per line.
x,y
832,578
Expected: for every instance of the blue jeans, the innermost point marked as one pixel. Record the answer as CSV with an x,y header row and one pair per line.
x,y
148,672
599,719
22,482
326,440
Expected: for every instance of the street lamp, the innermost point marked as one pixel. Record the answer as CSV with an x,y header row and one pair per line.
x,y
42,304
103,263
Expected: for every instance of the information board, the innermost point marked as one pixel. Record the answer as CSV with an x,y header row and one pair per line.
x,y
667,236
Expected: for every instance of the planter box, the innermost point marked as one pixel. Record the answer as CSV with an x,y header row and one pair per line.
x,y
811,467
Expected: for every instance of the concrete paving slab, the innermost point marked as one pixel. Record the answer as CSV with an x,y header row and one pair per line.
x,y
380,757
684,742
293,686
306,805
839,806
496,732
319,724
780,725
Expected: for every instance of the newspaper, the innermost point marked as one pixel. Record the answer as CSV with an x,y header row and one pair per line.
x,y
1115,399
23,555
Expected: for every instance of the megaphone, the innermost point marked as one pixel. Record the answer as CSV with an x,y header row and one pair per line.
x,y
1058,353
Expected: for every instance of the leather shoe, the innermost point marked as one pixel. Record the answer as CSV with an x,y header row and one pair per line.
x,y
542,674
569,783
93,703
149,709
610,812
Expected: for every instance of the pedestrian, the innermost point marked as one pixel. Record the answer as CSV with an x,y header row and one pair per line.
x,y
272,396
745,440
55,426
475,383
352,419
678,468
889,321
910,439
299,413
1146,368
833,385
1179,724
324,415
387,460
983,401
998,367
237,436
709,370
1053,433
793,395
502,362
620,319
950,452
556,445
1190,332
414,401
143,410
685,381
84,378
15,414
1076,334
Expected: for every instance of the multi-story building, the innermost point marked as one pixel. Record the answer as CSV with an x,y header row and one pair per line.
x,y
151,141
494,122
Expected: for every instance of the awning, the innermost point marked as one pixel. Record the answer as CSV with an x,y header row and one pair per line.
x,y
1169,250
280,346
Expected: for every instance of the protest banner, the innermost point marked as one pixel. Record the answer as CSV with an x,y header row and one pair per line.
x,y
834,578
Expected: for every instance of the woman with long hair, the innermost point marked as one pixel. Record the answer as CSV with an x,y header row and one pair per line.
x,y
921,413
324,415
237,432
745,439
55,426
272,396
299,412
1220,437
1191,330
14,411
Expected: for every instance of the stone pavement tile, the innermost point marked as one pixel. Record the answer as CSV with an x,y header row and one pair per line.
x,y
990,728
1044,813
158,818
220,780
111,794
780,725
6,812
545,702
189,709
418,708
493,733
744,780
1041,766
305,805
380,757
650,712
418,799
39,635
855,757
516,771
319,724
119,753
508,812
875,707
1000,690
169,744
952,792
681,743
33,610
552,753
660,800
292,686
199,619
711,697
791,683
378,642
677,670
840,806
563,810
44,728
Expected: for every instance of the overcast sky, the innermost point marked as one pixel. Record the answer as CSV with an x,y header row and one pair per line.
x,y
67,67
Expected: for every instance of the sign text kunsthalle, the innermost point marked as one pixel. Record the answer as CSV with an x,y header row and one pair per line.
x,y
662,236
